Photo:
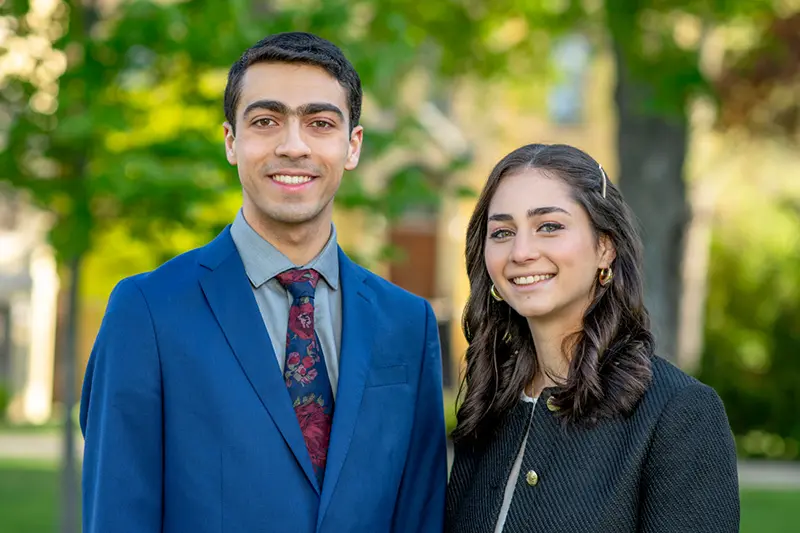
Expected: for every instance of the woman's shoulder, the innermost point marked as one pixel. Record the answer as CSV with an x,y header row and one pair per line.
x,y
668,377
673,391
691,435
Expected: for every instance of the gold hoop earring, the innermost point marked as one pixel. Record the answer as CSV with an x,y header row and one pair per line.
x,y
495,294
605,276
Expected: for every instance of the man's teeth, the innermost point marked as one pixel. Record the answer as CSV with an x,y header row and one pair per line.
x,y
530,280
291,180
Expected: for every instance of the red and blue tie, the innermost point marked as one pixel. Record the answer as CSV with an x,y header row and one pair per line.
x,y
305,373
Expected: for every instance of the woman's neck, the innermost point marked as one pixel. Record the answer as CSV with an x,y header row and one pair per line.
x,y
552,361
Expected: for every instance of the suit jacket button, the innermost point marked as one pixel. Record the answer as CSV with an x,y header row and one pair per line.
x,y
551,405
532,478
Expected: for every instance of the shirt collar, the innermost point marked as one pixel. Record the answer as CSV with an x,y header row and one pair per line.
x,y
262,261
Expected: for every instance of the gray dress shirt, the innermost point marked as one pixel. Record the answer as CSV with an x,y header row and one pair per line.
x,y
262,262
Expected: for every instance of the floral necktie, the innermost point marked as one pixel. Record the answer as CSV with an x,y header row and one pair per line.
x,y
304,371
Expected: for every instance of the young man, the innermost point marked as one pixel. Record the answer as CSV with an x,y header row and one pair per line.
x,y
232,391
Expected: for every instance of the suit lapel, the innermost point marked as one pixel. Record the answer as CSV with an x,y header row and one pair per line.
x,y
354,363
231,299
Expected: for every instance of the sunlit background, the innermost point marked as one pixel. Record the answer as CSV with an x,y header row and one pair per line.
x,y
111,161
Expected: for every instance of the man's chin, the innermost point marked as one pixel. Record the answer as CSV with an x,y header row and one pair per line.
x,y
293,217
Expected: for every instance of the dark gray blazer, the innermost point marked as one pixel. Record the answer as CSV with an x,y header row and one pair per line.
x,y
670,467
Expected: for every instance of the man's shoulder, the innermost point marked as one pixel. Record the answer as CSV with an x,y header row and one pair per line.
x,y
183,270
178,269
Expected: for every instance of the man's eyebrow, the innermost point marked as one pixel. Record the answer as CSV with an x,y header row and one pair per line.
x,y
320,107
267,105
304,110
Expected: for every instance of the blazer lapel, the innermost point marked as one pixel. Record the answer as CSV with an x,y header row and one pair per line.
x,y
354,363
231,299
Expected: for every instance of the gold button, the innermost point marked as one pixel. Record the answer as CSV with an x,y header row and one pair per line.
x,y
551,405
532,478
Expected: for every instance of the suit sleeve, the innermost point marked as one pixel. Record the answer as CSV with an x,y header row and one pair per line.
x,y
121,420
690,482
420,503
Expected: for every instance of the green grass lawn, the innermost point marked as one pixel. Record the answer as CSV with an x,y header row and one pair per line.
x,y
766,511
28,497
29,502
49,427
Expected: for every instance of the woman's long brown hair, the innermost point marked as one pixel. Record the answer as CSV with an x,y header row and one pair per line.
x,y
610,357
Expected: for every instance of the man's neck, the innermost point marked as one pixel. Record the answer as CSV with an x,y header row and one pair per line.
x,y
300,243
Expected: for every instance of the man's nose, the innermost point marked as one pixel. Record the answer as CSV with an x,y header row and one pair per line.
x,y
293,145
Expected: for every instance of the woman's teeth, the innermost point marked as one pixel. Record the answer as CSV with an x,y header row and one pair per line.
x,y
530,280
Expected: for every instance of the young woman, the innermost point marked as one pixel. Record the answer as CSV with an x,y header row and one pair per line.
x,y
570,422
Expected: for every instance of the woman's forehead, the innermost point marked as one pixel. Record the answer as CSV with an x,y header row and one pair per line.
x,y
530,189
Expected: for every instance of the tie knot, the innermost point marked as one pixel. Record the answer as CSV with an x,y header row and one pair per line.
x,y
299,282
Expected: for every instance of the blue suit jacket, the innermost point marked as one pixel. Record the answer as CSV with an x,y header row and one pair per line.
x,y
189,427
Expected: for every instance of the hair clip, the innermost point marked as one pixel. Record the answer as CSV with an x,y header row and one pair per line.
x,y
603,172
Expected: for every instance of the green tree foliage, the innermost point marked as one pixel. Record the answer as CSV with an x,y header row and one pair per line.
x,y
753,330
659,48
125,126
753,322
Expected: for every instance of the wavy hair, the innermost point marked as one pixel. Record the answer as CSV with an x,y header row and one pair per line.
x,y
609,358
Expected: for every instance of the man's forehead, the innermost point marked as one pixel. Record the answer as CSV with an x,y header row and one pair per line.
x,y
291,84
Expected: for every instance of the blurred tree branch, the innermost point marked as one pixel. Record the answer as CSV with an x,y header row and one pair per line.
x,y
758,88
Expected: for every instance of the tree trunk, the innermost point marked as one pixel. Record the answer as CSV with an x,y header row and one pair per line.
x,y
84,15
652,150
691,328
69,479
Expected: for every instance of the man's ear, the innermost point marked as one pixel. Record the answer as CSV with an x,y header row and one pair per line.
x,y
230,143
354,150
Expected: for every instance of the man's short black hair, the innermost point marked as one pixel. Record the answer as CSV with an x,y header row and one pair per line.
x,y
295,47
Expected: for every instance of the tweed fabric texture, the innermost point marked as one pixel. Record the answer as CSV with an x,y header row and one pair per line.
x,y
668,467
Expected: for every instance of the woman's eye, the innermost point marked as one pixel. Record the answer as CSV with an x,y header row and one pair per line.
x,y
550,227
501,234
